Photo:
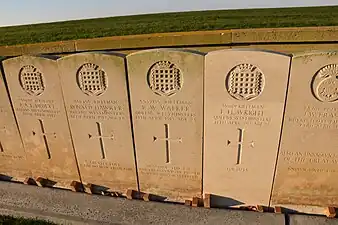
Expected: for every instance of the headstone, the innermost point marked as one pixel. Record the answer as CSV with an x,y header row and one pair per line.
x,y
307,165
166,89
96,97
36,95
13,164
244,102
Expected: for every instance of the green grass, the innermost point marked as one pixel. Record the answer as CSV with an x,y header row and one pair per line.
x,y
7,220
170,22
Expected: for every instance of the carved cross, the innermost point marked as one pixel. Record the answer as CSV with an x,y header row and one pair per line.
x,y
167,140
44,136
240,144
101,138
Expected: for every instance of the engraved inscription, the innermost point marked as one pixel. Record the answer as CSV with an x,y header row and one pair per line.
x,y
10,156
44,136
38,107
92,80
98,110
236,169
240,144
100,137
168,110
167,140
164,78
245,82
242,114
180,172
31,80
325,83
105,165
316,118
310,161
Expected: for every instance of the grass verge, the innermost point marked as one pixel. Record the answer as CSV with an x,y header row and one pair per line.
x,y
170,22
8,220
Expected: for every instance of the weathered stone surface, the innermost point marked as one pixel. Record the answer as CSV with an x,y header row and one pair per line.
x,y
12,154
311,220
167,106
307,163
153,40
244,102
39,108
285,34
49,47
96,97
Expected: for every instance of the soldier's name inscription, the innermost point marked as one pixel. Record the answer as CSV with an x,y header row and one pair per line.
x,y
38,107
315,117
165,110
242,114
98,110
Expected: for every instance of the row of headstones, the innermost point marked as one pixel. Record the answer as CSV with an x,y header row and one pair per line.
x,y
248,127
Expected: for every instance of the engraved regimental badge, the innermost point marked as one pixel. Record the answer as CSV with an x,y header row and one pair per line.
x,y
31,80
164,78
325,84
92,80
245,82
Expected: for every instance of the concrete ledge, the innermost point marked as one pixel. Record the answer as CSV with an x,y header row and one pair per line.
x,y
76,208
196,39
39,48
311,220
293,34
156,40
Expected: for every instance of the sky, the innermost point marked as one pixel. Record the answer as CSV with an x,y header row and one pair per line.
x,y
17,12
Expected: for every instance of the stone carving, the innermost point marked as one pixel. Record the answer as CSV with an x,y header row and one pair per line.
x,y
31,80
245,82
44,136
167,140
240,145
92,80
242,130
325,83
164,78
101,128
101,138
169,153
42,121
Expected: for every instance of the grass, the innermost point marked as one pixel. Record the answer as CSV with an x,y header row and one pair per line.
x,y
7,220
170,22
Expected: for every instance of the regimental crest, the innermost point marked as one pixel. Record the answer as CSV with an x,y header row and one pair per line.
x,y
92,80
245,82
325,84
164,78
31,80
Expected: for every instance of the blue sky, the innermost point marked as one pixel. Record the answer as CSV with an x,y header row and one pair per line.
x,y
15,12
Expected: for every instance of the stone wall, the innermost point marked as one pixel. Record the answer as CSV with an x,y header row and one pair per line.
x,y
236,127
286,40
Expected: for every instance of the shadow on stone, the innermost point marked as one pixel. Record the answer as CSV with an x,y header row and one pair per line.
x,y
217,201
